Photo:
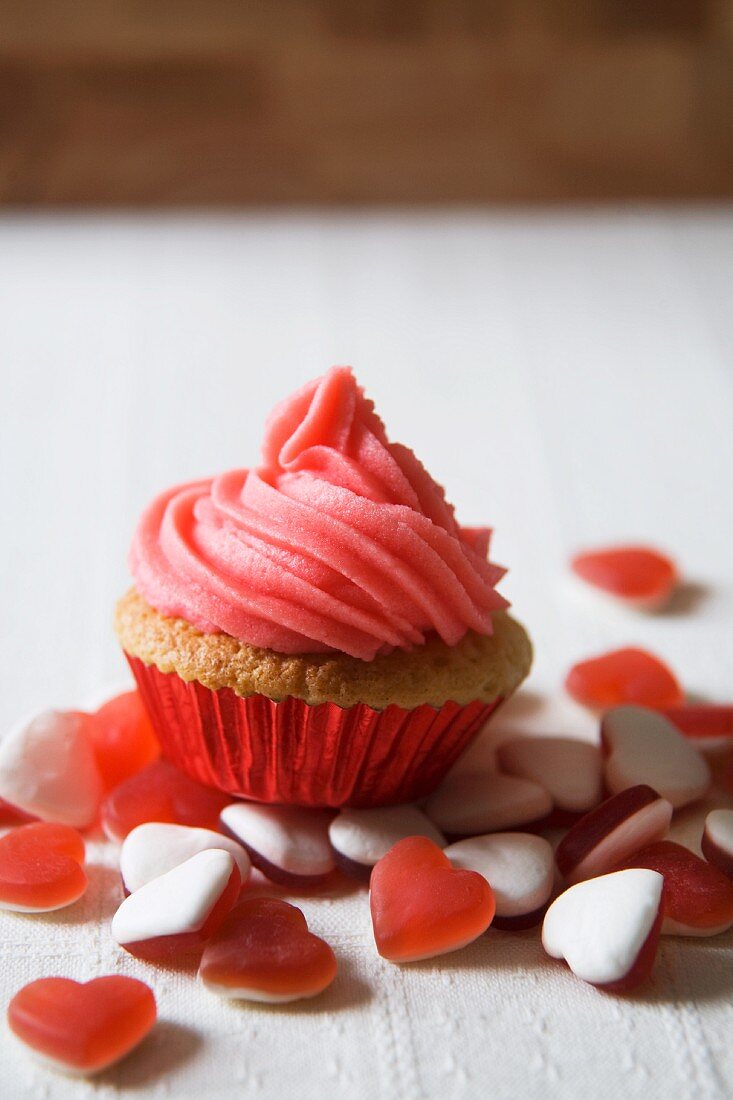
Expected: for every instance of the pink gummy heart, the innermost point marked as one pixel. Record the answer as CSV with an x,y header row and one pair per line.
x,y
265,952
123,738
41,867
422,907
82,1028
624,676
160,792
638,575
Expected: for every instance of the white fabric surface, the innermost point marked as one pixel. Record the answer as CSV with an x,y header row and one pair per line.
x,y
568,377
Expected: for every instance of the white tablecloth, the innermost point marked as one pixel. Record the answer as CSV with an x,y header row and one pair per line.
x,y
568,377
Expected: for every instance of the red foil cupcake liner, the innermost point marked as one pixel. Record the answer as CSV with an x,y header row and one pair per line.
x,y
301,755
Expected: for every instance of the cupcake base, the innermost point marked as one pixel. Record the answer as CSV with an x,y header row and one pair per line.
x,y
302,754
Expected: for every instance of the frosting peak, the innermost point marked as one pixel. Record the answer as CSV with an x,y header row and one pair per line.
x,y
338,540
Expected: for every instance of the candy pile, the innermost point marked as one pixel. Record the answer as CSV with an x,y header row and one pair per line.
x,y
476,854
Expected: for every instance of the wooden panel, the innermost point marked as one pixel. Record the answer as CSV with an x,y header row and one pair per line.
x,y
154,101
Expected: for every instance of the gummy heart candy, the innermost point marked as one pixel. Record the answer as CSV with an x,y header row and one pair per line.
x,y
468,803
11,815
360,838
698,898
638,575
286,843
624,676
41,867
177,912
519,868
642,746
613,831
155,848
607,929
717,840
123,738
709,726
47,768
82,1028
422,907
160,792
569,770
264,952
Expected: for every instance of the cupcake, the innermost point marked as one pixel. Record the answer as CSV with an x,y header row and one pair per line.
x,y
318,631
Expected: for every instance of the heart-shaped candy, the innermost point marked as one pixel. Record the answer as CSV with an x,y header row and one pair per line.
x,y
123,738
470,803
638,575
624,676
160,792
48,769
708,725
613,831
154,848
289,845
698,898
519,868
82,1028
717,840
264,952
642,746
41,867
607,929
176,913
568,769
421,906
360,838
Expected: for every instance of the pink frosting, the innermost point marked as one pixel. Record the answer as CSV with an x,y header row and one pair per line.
x,y
340,540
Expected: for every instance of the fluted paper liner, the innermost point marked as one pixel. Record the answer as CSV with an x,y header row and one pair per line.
x,y
293,753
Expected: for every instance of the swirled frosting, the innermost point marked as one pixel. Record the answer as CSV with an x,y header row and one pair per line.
x,y
339,540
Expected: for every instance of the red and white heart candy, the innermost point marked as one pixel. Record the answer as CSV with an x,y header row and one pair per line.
x,y
156,847
606,836
607,929
177,912
717,840
48,768
289,845
570,770
471,803
698,897
360,838
519,868
265,952
642,746
82,1028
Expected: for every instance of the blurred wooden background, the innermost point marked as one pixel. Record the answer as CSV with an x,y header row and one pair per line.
x,y
140,102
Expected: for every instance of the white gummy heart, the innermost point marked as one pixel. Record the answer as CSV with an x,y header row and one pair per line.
x,y
48,769
643,746
154,848
177,902
600,926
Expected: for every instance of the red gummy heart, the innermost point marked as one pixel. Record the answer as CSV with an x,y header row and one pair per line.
x,y
637,574
41,867
123,738
82,1027
264,952
624,676
160,792
422,907
698,898
11,815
